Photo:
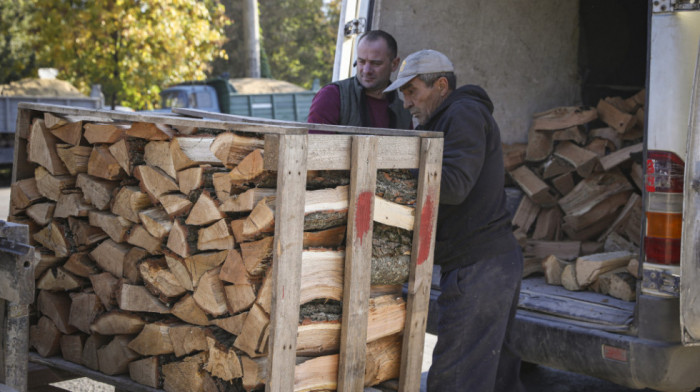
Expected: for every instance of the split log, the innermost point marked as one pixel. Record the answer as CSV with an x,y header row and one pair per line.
x,y
56,306
634,202
525,215
110,255
261,220
187,339
51,186
600,147
146,371
182,239
156,221
592,191
138,299
608,134
233,269
93,343
114,357
588,268
80,264
96,191
619,284
187,310
612,160
117,322
157,154
531,265
179,269
154,339
52,121
614,117
83,310
41,149
199,177
128,202
84,234
553,268
105,286
150,131
188,375
615,242
246,201
513,155
41,213
563,117
223,361
568,278
633,268
585,217
250,339
197,265
589,232
205,211
239,297
47,259
56,237
139,236
45,337
72,204
154,182
102,133
70,133
102,164
257,255
564,183
254,372
24,193
329,238
59,280
231,148
539,145
321,275
209,294
115,226
129,153
536,189
72,347
584,161
160,281
233,324
547,226
222,185
555,166
175,204
249,168
216,236
383,359
190,151
574,134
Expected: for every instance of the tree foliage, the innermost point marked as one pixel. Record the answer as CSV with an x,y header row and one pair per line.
x,y
298,40
17,58
131,47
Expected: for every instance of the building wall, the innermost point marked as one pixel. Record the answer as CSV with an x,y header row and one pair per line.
x,y
523,52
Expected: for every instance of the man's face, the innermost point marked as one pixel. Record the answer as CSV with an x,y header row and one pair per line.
x,y
422,100
374,64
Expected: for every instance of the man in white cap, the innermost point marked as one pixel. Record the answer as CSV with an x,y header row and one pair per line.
x,y
481,262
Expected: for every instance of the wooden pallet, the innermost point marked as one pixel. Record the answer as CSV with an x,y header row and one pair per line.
x,y
291,151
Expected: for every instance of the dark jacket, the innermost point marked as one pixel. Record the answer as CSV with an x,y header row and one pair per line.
x,y
353,106
473,222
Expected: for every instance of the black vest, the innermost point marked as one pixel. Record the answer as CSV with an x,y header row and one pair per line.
x,y
354,110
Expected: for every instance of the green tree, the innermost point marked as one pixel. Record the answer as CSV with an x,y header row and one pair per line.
x,y
17,58
298,40
131,47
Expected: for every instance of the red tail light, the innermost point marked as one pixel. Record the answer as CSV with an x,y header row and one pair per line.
x,y
664,207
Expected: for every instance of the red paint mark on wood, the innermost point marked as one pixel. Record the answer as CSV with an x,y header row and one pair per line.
x,y
363,216
426,230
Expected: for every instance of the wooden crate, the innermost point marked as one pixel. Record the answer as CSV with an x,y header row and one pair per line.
x,y
291,151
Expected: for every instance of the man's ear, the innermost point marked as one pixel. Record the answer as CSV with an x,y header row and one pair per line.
x,y
443,86
395,63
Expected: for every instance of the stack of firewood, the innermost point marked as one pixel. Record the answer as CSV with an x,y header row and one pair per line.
x,y
581,176
156,251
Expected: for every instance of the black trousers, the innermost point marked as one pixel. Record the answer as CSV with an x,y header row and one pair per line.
x,y
477,306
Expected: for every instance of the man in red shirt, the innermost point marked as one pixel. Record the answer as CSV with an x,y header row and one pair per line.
x,y
360,100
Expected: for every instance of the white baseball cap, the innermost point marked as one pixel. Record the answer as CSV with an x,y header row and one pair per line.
x,y
421,62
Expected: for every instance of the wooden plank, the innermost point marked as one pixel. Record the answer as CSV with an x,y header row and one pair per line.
x,y
358,264
421,270
286,268
392,152
316,127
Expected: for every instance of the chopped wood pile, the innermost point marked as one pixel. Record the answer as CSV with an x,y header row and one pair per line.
x,y
156,256
581,176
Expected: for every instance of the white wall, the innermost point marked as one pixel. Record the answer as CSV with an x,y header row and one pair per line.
x,y
523,52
